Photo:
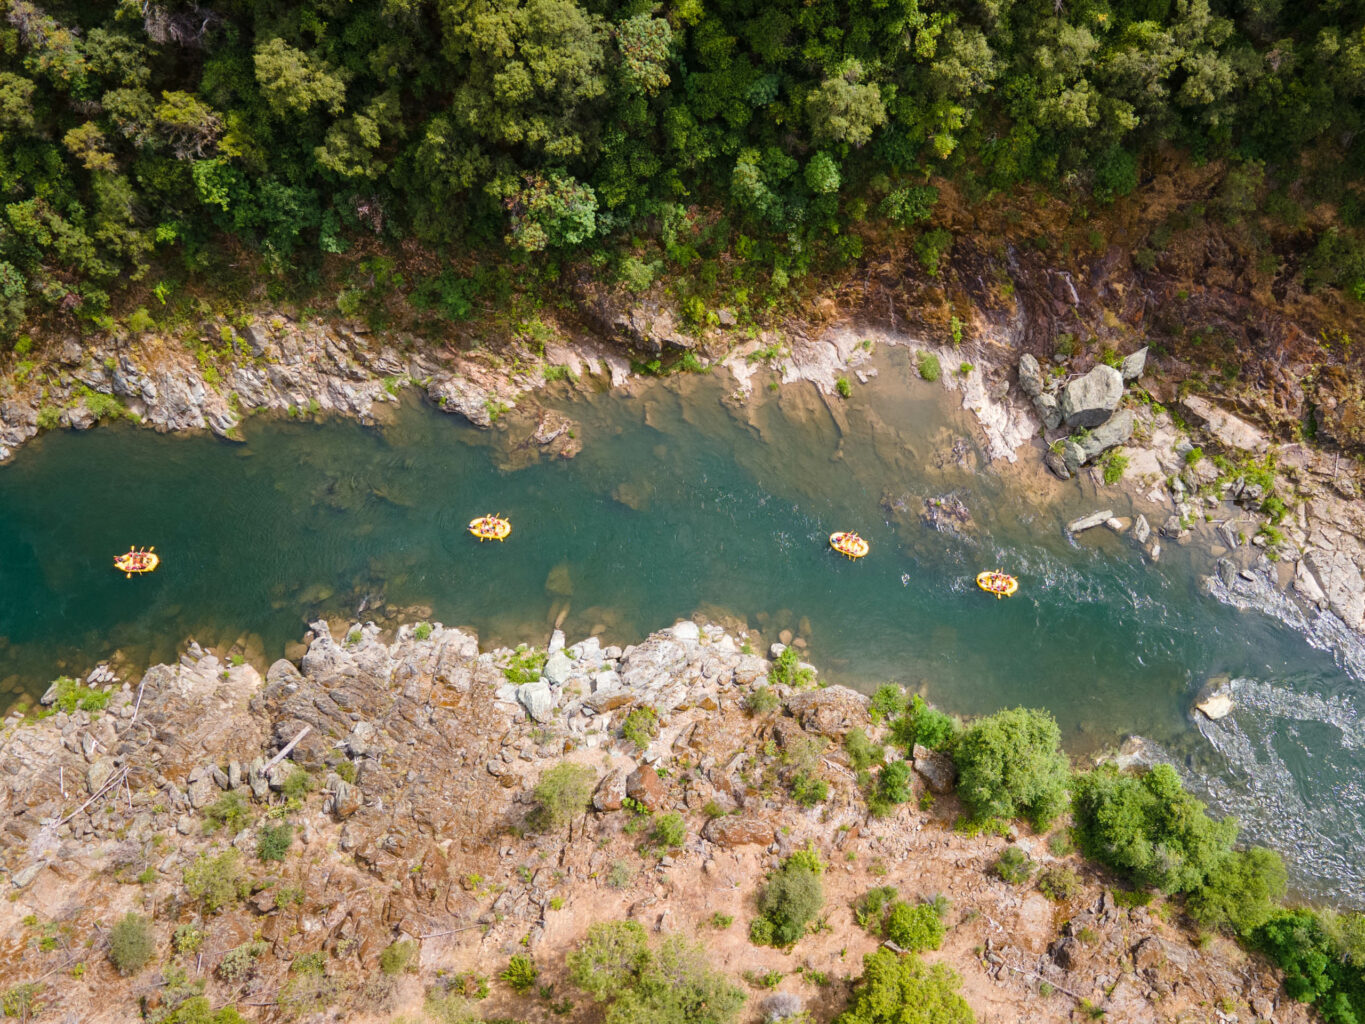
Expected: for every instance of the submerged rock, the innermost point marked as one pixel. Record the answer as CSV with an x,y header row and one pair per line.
x,y
1215,699
1090,400
1089,522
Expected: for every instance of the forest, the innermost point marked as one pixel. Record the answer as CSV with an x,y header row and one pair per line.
x,y
140,134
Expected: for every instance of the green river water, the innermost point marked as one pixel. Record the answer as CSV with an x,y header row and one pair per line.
x,y
682,501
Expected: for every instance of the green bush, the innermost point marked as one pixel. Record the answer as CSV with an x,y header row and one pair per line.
x,y
218,881
892,788
870,908
670,984
1241,892
862,752
1014,866
888,702
274,841
844,388
809,790
187,939
926,726
563,793
72,694
228,812
521,973
21,1001
1059,884
915,928
239,963
761,701
1113,463
787,670
421,631
928,366
789,902
640,727
1149,829
1314,971
904,990
1010,765
131,944
670,831
400,956
297,784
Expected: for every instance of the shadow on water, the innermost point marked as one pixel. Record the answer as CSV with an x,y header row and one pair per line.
x,y
683,500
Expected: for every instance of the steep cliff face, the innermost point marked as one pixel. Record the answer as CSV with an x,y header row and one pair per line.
x,y
412,758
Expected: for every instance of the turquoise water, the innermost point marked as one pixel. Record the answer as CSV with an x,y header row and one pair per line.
x,y
682,500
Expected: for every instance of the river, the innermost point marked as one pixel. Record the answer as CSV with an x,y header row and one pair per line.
x,y
684,500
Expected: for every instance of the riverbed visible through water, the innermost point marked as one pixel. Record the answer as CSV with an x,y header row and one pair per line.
x,y
683,501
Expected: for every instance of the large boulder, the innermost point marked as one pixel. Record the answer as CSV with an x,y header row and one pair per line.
x,y
938,769
644,785
1109,434
738,832
1030,376
1232,431
611,791
1133,365
537,699
1090,400
831,711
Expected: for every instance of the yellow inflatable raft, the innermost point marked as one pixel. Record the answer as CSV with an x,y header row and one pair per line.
x,y
998,583
490,528
849,544
137,560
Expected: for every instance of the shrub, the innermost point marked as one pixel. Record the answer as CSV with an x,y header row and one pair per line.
x,y
1059,884
1313,972
787,670
788,903
525,664
131,944
228,812
297,784
21,1001
239,964
905,990
670,984
1010,765
871,906
761,701
783,1006
217,881
563,793
620,874
1148,828
926,726
928,366
809,790
72,694
888,702
670,831
893,788
862,752
844,388
1014,866
915,928
187,939
401,956
640,727
1241,892
1193,456
1113,464
521,973
421,631
274,841
930,247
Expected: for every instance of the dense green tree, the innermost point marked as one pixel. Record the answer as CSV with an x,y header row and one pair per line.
x,y
905,990
1011,765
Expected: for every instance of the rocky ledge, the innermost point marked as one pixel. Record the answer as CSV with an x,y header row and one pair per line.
x,y
405,764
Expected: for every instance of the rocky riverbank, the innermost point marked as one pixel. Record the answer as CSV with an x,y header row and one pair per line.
x,y
414,865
